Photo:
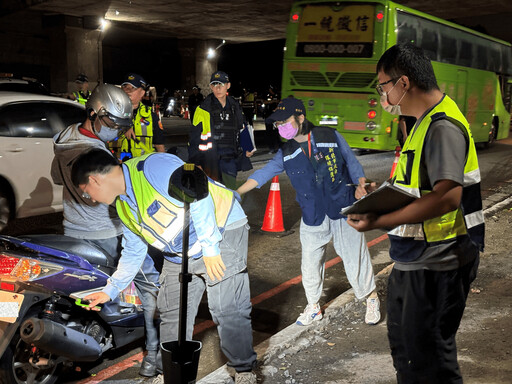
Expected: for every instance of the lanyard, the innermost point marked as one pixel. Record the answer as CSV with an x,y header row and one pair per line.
x,y
309,146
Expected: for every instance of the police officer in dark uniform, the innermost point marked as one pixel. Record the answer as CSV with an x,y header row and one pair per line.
x,y
214,140
82,95
194,101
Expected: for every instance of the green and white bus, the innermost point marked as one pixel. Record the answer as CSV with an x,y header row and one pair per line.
x,y
332,49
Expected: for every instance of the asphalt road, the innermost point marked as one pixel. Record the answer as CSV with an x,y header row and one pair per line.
x,y
274,263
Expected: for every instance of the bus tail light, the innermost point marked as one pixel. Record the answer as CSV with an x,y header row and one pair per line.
x,y
294,18
372,114
388,130
371,126
372,103
380,16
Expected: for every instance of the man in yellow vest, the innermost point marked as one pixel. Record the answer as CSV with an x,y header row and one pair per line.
x,y
82,94
218,235
435,240
147,131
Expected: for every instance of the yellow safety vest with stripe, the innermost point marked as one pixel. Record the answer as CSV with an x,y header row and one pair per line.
x,y
82,98
159,219
143,129
202,116
410,240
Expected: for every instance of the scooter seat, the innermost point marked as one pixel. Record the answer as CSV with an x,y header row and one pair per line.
x,y
90,252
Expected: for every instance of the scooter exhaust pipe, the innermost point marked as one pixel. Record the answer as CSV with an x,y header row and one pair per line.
x,y
60,340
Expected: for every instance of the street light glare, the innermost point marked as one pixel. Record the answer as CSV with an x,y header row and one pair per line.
x,y
211,53
104,24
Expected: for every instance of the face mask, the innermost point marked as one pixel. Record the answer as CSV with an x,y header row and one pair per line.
x,y
107,134
287,131
393,109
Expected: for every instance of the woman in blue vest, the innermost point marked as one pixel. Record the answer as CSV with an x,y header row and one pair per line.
x,y
320,165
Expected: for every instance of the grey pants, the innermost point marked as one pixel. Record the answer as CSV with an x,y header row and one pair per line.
x,y
229,300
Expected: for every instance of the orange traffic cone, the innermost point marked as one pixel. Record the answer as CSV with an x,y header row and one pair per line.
x,y
395,162
185,115
273,220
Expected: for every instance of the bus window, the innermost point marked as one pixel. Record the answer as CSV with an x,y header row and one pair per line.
x,y
495,58
429,41
406,29
448,47
465,53
506,55
482,57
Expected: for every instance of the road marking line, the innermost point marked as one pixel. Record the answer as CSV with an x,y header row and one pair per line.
x,y
114,369
203,326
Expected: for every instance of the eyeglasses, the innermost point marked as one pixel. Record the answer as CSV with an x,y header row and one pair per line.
x,y
278,123
217,85
379,89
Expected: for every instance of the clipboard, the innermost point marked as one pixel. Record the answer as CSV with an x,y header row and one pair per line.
x,y
387,198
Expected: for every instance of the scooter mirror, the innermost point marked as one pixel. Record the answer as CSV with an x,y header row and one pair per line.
x,y
188,184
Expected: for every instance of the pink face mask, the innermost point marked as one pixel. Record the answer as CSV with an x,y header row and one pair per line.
x,y
287,131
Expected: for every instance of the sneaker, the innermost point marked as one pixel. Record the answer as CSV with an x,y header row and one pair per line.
x,y
372,316
245,378
311,313
158,380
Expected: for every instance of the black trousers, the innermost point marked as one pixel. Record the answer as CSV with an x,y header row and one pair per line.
x,y
424,309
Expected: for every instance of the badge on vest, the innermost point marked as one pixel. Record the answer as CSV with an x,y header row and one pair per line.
x,y
319,157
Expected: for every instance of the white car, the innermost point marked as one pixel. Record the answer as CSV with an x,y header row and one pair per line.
x,y
28,123
9,83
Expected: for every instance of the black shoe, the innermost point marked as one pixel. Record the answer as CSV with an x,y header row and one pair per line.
x,y
150,367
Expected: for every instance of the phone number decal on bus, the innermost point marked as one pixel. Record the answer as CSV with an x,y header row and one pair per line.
x,y
336,49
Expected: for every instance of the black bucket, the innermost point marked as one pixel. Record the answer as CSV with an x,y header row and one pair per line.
x,y
180,362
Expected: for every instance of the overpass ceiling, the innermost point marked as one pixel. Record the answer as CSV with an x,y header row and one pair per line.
x,y
232,20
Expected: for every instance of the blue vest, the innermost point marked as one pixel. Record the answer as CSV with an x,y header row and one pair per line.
x,y
320,185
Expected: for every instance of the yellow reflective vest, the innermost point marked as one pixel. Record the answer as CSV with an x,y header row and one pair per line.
x,y
143,129
82,98
159,218
467,219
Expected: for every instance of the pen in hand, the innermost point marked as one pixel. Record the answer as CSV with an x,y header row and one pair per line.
x,y
356,185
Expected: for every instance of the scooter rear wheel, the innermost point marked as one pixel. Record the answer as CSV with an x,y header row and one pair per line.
x,y
16,366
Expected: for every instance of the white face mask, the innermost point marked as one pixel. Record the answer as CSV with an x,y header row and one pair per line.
x,y
390,108
107,134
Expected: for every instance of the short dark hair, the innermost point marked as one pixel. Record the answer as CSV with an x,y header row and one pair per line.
x,y
95,161
409,60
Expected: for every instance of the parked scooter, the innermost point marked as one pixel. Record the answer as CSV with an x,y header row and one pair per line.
x,y
42,323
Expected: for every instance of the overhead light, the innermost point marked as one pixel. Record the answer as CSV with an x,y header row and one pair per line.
x,y
104,24
212,52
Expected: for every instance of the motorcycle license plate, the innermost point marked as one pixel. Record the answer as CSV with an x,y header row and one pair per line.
x,y
10,304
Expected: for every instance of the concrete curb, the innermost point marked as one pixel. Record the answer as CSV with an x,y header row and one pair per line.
x,y
286,337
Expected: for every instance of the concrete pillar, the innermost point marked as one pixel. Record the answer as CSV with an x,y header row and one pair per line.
x,y
75,48
196,67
